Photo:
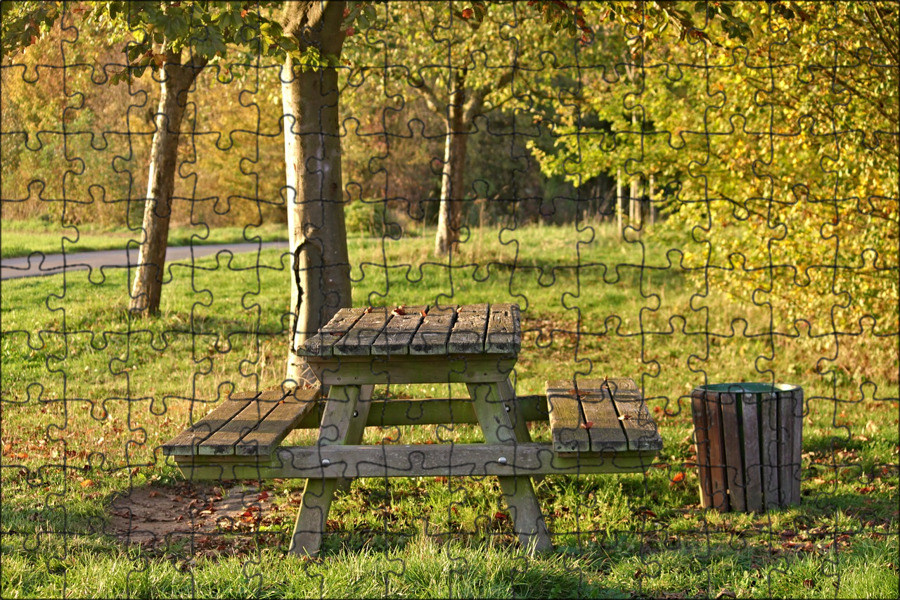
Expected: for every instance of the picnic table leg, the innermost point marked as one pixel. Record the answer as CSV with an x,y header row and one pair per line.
x,y
355,435
508,395
528,521
344,419
523,436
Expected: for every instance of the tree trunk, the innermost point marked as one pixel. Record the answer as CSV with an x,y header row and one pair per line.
x,y
635,212
453,175
634,215
177,80
320,277
619,199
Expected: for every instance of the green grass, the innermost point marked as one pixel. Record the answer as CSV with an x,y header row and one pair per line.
x,y
86,387
21,238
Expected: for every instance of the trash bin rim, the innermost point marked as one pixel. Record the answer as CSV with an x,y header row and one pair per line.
x,y
747,388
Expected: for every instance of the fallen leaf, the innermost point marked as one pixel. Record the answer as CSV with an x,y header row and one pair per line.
x,y
587,425
624,417
86,483
678,477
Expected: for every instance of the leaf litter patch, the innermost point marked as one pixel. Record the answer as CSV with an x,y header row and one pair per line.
x,y
194,518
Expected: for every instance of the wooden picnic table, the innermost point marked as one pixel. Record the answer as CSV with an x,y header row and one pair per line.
x,y
598,427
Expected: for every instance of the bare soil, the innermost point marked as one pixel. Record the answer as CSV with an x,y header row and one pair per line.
x,y
189,515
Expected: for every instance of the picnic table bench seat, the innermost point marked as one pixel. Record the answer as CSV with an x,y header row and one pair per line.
x,y
600,417
600,427
245,425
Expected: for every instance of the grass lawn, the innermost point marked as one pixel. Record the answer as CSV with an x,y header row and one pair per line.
x,y
88,395
21,238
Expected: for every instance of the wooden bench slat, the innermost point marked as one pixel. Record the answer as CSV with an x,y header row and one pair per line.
x,y
606,432
226,438
322,343
639,427
636,422
398,332
278,423
569,437
620,422
503,329
467,335
186,442
358,341
433,334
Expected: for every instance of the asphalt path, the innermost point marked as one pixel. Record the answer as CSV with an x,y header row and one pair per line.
x,y
39,264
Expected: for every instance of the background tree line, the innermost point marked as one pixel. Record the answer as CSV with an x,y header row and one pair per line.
x,y
767,130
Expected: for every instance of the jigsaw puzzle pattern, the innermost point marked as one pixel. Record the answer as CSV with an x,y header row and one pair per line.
x,y
680,213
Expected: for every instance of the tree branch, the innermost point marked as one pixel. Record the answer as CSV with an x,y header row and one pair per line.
x,y
476,100
431,98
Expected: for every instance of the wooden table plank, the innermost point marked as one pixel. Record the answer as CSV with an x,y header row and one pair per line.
x,y
566,420
503,330
467,336
433,334
358,341
279,422
322,343
399,331
186,442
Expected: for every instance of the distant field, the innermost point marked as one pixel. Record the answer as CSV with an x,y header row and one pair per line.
x,y
89,395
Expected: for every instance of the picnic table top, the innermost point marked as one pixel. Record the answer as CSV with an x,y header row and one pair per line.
x,y
470,329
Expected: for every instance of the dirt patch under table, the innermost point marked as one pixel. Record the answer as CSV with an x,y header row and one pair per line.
x,y
162,517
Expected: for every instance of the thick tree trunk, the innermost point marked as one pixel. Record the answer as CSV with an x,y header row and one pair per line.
x,y
177,80
320,278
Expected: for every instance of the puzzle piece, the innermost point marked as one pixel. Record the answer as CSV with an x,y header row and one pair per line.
x,y
542,204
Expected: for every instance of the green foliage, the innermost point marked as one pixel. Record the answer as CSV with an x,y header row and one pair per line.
x,y
783,173
367,217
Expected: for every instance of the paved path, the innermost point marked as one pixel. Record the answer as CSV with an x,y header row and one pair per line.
x,y
51,264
